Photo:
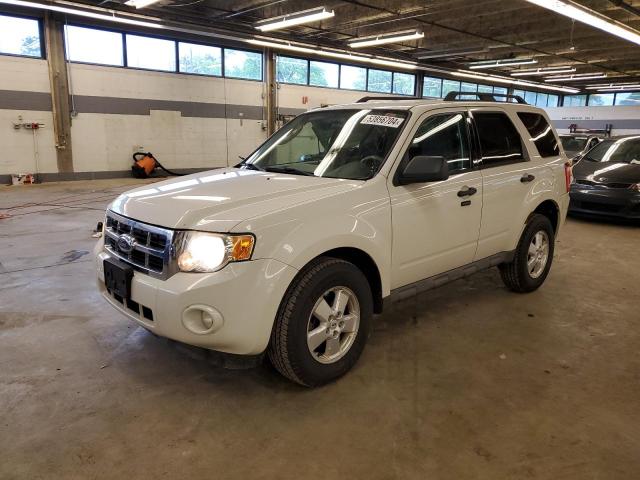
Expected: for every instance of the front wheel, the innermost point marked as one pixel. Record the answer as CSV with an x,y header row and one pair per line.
x,y
323,323
533,256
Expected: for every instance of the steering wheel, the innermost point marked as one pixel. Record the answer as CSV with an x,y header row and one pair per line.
x,y
372,162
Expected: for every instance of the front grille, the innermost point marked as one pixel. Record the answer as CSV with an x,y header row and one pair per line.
x,y
146,248
133,306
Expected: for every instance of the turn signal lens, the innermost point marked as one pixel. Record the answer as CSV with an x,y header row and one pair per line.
x,y
242,247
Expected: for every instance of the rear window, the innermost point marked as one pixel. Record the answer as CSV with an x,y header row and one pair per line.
x,y
541,133
499,140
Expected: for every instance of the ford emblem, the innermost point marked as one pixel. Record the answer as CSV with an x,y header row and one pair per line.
x,y
126,243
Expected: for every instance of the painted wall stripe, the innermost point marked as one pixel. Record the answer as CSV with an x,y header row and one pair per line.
x,y
19,100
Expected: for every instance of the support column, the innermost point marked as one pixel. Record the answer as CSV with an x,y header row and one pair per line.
x,y
270,81
59,81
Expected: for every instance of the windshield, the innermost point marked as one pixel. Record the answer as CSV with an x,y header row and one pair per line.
x,y
351,144
621,150
573,144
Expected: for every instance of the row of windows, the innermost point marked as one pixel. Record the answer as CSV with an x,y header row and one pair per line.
x,y
434,87
22,36
602,99
119,49
300,71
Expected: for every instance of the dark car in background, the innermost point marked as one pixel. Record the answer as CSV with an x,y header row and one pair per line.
x,y
575,146
607,179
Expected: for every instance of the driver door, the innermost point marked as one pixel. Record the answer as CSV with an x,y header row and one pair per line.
x,y
436,225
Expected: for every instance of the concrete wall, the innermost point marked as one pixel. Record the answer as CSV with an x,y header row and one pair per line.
x,y
187,121
625,119
25,97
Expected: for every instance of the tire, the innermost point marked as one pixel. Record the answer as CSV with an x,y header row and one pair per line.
x,y
302,312
519,275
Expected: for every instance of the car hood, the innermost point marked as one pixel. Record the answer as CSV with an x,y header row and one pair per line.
x,y
607,172
218,200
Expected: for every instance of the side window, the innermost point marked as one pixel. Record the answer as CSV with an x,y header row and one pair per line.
x,y
500,142
541,134
443,136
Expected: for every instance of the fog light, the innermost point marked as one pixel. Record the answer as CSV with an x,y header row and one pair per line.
x,y
202,319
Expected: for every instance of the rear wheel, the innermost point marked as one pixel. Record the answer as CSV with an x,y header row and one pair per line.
x,y
533,256
323,323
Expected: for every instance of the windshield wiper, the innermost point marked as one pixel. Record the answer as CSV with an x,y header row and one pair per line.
x,y
291,170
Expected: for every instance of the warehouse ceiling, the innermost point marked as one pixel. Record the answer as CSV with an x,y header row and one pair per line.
x,y
495,29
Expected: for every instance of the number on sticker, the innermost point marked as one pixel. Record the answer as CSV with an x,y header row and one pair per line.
x,y
382,120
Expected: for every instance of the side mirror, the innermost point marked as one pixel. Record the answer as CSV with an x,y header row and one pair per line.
x,y
422,169
576,159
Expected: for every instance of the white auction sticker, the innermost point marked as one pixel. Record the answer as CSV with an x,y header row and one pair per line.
x,y
384,120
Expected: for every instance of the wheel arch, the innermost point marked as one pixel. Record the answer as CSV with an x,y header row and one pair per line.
x,y
550,209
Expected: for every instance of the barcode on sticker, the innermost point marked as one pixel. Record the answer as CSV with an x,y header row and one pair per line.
x,y
383,120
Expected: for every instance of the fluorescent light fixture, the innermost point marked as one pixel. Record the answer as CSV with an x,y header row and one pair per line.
x,y
81,13
386,38
140,3
507,62
293,19
603,87
590,17
334,54
453,52
575,78
542,71
512,81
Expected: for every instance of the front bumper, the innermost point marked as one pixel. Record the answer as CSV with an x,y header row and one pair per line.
x,y
601,201
246,295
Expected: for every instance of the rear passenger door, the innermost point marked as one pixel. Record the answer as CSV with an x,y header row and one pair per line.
x,y
508,176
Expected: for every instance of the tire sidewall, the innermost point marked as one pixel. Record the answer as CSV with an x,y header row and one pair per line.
x,y
306,366
536,224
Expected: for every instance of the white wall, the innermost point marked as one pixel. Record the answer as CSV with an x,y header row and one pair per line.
x,y
18,78
625,119
106,141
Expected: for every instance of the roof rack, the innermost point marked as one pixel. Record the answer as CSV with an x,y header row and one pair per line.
x,y
367,99
483,97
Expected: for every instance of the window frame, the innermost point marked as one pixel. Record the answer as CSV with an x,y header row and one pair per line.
x,y
502,163
262,63
393,82
366,77
103,29
189,42
308,76
314,60
424,77
390,92
155,37
471,144
43,50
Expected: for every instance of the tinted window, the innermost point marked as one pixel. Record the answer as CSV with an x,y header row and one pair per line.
x,y
442,136
485,89
432,87
291,70
322,74
468,87
449,86
200,59
499,140
601,99
628,98
575,100
241,64
541,100
552,101
501,90
353,78
379,81
94,46
404,83
20,36
151,53
530,97
541,134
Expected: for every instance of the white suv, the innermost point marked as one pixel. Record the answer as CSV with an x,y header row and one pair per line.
x,y
291,252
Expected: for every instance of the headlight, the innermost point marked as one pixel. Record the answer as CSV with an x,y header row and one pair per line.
x,y
635,186
208,252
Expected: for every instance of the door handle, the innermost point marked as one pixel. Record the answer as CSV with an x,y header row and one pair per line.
x,y
527,177
467,192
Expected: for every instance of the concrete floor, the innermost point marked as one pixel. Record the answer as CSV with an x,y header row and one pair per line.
x,y
466,382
